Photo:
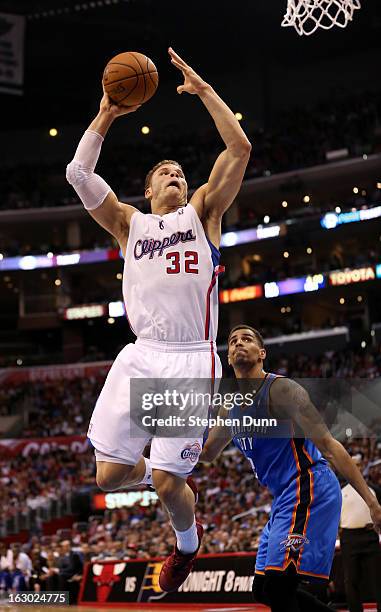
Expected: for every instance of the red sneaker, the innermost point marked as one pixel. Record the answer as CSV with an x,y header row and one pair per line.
x,y
191,483
177,567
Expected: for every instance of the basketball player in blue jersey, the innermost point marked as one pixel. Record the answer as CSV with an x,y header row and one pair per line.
x,y
298,541
171,298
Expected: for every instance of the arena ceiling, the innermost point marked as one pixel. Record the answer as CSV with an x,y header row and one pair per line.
x,y
68,42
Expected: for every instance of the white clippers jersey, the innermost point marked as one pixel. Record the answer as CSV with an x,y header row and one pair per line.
x,y
170,278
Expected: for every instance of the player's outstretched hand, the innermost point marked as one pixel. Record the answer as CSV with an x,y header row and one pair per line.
x,y
106,105
193,83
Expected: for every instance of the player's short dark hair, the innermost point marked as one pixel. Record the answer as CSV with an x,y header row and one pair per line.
x,y
255,332
147,182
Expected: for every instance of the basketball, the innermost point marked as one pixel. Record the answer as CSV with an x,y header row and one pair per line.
x,y
130,78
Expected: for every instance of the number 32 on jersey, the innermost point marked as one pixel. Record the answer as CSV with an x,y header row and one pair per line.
x,y
187,264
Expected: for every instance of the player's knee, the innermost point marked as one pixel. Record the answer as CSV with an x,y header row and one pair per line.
x,y
109,479
105,483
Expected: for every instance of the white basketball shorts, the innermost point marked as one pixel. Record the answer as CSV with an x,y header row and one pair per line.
x,y
110,430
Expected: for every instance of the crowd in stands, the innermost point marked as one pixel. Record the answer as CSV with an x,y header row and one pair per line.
x,y
54,408
298,137
341,364
40,568
29,483
233,524
62,407
33,481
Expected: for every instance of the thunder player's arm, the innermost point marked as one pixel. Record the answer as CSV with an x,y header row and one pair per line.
x,y
289,400
97,197
219,437
213,198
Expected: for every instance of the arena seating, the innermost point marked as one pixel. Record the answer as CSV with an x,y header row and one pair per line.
x,y
345,120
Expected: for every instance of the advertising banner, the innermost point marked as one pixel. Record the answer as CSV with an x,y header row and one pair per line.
x,y
13,447
10,376
215,579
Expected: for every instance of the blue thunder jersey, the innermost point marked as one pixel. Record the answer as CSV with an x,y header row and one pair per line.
x,y
275,455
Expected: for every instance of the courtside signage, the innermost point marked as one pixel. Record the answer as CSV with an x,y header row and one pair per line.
x,y
215,579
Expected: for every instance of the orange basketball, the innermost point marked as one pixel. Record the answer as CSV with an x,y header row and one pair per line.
x,y
130,78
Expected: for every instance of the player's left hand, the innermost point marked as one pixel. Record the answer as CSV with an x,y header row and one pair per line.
x,y
375,513
193,83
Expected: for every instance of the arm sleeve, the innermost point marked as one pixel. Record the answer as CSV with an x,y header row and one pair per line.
x,y
91,188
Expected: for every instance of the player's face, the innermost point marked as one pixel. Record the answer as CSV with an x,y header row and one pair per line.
x,y
168,184
244,350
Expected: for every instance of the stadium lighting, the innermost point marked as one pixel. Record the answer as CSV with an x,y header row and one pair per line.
x,y
363,344
284,204
119,276
1,256
365,156
338,209
239,116
363,192
378,185
286,254
355,189
50,255
57,282
309,250
19,362
266,219
342,301
359,298
306,199
288,309
145,130
373,333
110,320
283,310
53,132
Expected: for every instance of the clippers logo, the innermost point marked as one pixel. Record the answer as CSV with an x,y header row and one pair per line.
x,y
150,246
105,576
191,452
294,542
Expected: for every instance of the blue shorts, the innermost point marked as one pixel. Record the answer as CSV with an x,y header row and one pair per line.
x,y
303,526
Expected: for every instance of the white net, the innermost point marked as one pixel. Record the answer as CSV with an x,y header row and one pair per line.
x,y
308,15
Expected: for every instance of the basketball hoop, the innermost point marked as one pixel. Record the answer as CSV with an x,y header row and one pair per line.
x,y
308,15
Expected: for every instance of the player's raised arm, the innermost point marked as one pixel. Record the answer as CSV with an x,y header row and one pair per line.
x,y
290,400
228,171
96,195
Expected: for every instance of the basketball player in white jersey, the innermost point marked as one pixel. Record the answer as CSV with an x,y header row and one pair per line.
x,y
171,297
